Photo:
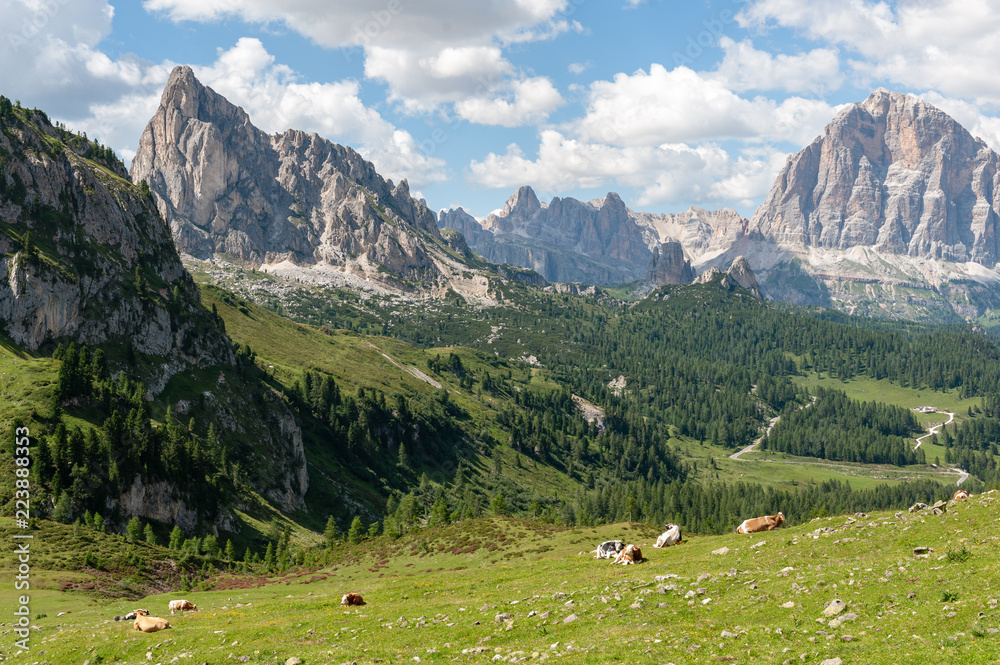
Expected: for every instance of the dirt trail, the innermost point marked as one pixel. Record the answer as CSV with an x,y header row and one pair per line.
x,y
963,475
934,430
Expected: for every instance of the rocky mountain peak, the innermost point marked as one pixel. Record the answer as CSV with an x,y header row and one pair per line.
x,y
291,199
893,173
668,265
523,203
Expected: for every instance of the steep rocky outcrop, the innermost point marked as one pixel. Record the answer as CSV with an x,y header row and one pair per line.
x,y
85,257
740,274
101,266
668,266
230,190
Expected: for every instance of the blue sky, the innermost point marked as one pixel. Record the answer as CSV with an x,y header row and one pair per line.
x,y
668,103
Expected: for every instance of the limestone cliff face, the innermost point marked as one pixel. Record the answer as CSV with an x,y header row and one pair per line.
x,y
668,266
227,188
92,234
892,173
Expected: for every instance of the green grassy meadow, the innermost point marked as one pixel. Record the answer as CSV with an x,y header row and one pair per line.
x,y
440,595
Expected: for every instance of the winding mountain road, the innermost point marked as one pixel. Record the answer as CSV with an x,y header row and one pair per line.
x,y
935,429
963,475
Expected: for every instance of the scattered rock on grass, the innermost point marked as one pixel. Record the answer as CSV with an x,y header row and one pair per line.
x,y
721,551
835,607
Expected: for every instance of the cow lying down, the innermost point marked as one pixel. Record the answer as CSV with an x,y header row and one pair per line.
x,y
609,549
671,536
765,523
349,599
631,554
148,624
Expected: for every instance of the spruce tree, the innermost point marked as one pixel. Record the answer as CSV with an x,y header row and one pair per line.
x,y
357,531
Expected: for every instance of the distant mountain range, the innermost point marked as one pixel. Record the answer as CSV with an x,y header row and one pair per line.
x,y
893,211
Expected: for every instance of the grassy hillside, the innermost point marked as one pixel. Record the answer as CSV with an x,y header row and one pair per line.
x,y
483,588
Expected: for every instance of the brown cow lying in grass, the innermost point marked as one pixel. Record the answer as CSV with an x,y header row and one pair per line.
x,y
765,523
182,606
631,554
960,494
352,599
148,624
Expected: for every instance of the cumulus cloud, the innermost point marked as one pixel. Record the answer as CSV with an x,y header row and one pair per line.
x,y
668,173
428,52
946,45
745,68
422,81
533,100
681,105
403,24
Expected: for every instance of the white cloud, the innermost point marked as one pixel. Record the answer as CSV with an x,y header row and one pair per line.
x,y
401,24
423,81
429,52
946,45
746,68
668,173
579,67
533,100
681,105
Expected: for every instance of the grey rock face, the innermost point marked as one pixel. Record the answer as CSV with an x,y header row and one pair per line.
x,y
893,173
668,266
740,274
227,188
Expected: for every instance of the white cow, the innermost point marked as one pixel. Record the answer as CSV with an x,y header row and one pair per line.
x,y
671,536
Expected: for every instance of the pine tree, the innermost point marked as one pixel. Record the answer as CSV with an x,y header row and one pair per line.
x,y
63,511
230,551
133,530
330,533
149,535
357,531
176,538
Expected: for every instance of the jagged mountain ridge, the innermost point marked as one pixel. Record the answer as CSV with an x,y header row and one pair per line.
x,y
596,242
290,200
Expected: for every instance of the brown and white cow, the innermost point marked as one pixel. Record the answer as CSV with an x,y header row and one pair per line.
x,y
631,554
960,494
149,624
671,536
182,606
765,523
352,599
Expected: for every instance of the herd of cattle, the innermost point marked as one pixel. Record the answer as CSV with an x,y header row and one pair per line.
x,y
142,621
624,554
609,549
